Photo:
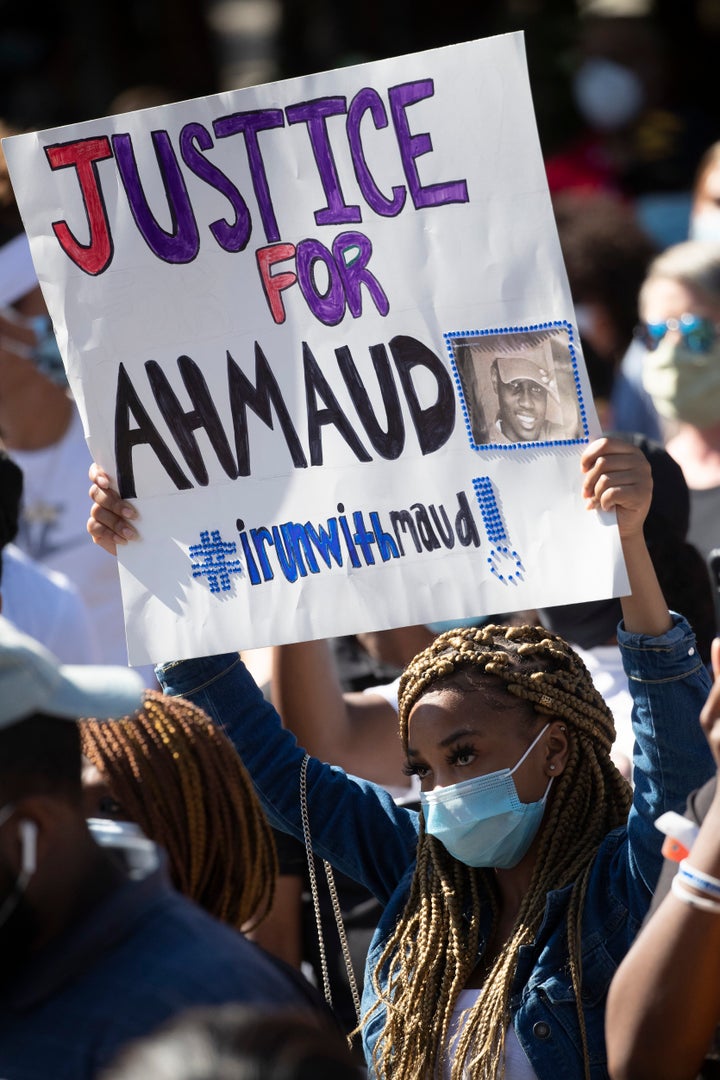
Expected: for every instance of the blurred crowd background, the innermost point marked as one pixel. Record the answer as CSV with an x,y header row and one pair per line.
x,y
66,61
624,90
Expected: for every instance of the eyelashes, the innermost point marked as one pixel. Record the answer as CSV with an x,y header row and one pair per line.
x,y
458,752
455,756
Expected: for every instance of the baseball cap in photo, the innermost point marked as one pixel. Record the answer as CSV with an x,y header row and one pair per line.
x,y
534,364
32,680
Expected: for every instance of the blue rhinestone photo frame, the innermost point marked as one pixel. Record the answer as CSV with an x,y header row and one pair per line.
x,y
538,331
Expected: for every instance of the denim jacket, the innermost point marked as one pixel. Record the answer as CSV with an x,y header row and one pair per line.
x,y
358,828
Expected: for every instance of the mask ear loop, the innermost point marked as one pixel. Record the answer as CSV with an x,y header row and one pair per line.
x,y
533,744
28,838
547,789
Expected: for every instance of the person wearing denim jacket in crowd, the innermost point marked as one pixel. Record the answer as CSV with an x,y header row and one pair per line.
x,y
508,908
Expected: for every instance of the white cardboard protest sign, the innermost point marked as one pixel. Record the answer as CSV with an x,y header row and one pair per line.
x,y
321,331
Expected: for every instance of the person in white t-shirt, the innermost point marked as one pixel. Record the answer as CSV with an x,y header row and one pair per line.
x,y
40,602
41,428
46,606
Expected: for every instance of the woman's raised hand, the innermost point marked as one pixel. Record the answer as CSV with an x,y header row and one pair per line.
x,y
617,476
110,518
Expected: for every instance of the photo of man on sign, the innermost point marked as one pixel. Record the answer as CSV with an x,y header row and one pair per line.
x,y
519,388
527,396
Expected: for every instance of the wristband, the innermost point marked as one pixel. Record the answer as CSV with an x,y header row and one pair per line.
x,y
698,879
692,899
679,833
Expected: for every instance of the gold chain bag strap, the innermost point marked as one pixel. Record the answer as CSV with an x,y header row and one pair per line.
x,y
316,902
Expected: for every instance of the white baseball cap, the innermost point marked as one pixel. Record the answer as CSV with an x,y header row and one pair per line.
x,y
32,680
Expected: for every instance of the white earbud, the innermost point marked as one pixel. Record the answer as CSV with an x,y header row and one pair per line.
x,y
28,839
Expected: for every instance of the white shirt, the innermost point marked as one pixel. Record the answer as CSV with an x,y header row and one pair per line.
x,y
53,531
45,605
387,691
604,663
53,517
517,1066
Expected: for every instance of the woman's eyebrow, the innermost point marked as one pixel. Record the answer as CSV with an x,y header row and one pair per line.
x,y
460,733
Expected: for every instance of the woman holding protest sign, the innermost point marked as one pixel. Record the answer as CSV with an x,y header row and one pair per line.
x,y
513,896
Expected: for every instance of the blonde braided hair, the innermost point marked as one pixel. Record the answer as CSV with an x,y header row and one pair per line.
x,y
433,949
180,779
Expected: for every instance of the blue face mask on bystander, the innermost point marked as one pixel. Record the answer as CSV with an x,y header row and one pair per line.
x,y
46,353
482,821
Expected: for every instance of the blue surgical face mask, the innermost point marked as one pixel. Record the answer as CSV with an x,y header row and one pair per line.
x,y
46,353
481,821
609,95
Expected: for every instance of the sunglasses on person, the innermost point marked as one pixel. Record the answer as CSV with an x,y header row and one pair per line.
x,y
699,334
